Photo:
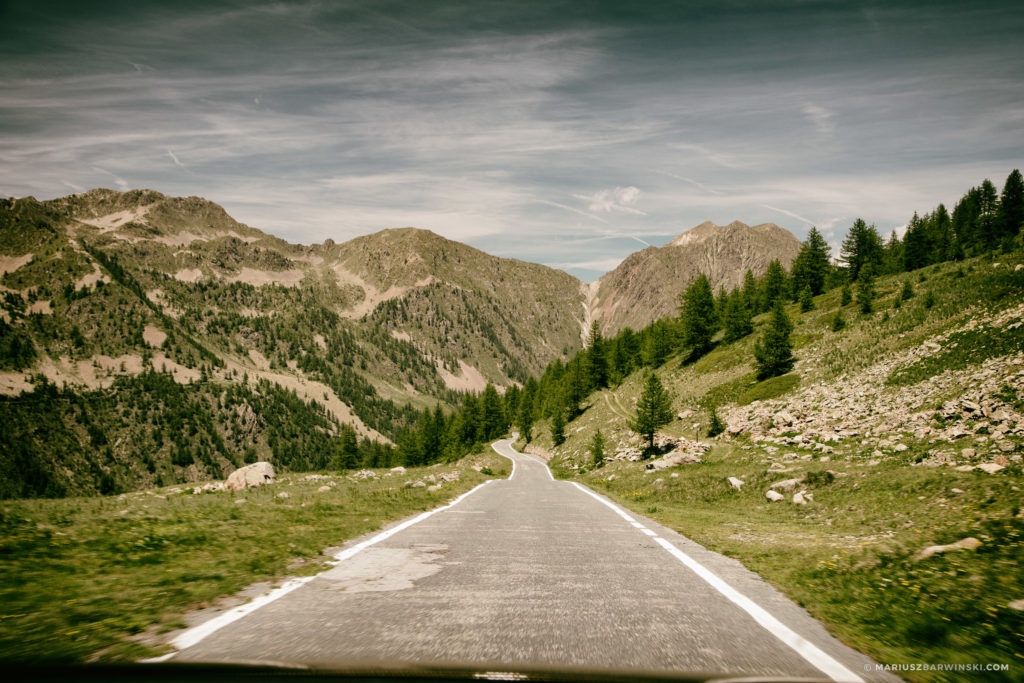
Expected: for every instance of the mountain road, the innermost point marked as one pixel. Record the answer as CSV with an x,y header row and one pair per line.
x,y
531,573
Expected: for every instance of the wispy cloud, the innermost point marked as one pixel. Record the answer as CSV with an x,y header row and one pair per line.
x,y
615,199
174,158
821,119
121,182
789,213
548,202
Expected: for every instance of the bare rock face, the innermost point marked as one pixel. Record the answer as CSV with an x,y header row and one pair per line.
x,y
256,474
646,285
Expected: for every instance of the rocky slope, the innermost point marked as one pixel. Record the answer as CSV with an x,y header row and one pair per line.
x,y
646,285
276,343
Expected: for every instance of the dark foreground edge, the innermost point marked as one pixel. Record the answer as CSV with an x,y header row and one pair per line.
x,y
202,673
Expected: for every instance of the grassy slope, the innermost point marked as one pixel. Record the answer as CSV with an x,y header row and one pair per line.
x,y
848,556
83,575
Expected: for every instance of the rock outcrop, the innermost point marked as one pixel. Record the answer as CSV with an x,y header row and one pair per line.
x,y
256,474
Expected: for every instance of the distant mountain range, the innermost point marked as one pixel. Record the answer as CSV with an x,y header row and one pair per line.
x,y
100,286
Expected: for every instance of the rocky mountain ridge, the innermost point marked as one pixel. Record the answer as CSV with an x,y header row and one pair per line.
x,y
645,286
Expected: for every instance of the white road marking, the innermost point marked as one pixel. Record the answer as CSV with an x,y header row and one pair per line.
x,y
648,532
638,525
495,447
802,646
198,633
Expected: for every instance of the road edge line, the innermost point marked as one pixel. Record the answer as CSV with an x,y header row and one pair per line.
x,y
196,634
803,647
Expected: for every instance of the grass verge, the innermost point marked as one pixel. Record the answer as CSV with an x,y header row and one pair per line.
x,y
83,575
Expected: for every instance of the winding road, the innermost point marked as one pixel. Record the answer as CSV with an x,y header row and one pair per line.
x,y
532,573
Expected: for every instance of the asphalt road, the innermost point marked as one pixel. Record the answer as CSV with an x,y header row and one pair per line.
x,y
534,573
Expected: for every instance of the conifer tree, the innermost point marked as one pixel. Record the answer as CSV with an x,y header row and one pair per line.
x,y
862,245
558,428
838,322
698,313
806,299
596,359
774,286
908,290
866,289
750,291
715,424
1011,205
492,413
773,352
653,409
524,417
811,265
597,449
845,297
736,318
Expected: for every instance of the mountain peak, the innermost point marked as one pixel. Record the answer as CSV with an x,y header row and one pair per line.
x,y
646,285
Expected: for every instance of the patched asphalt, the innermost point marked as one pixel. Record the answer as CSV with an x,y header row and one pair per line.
x,y
531,573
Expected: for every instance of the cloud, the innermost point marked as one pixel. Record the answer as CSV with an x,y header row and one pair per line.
x,y
821,119
789,213
617,199
121,182
569,208
174,158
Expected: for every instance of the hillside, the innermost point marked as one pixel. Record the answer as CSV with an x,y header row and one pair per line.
x,y
102,290
902,431
646,285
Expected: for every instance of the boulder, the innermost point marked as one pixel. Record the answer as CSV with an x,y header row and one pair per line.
x,y
283,495
787,484
773,496
1016,604
735,483
433,488
365,474
449,477
417,484
256,474
210,486
990,467
323,489
398,470
969,543
802,497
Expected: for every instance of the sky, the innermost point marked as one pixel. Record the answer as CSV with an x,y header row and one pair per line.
x,y
565,133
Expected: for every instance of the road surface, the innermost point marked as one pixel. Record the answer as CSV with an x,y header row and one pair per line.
x,y
532,573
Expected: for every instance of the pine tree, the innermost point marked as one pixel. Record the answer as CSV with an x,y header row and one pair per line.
x,y
715,424
811,265
806,300
988,209
908,291
558,428
524,416
862,245
1011,205
596,359
838,322
597,449
774,286
493,422
845,297
866,289
750,290
773,352
697,308
653,409
736,318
